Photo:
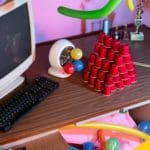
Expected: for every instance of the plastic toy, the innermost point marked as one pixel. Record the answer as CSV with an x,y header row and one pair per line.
x,y
112,144
62,58
110,66
95,14
88,146
144,126
104,126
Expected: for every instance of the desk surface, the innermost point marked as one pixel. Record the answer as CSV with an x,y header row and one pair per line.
x,y
73,101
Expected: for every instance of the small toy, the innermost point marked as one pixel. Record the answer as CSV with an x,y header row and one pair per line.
x,y
88,146
64,59
110,66
95,14
144,126
112,144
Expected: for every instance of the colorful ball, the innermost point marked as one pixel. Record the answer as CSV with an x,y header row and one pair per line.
x,y
78,64
69,68
112,144
76,53
144,126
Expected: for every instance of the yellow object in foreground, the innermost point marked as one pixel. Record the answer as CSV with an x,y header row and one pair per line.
x,y
130,4
144,146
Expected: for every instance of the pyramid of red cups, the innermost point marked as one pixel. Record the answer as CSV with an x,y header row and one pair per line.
x,y
110,66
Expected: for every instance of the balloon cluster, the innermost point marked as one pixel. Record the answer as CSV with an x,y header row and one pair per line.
x,y
74,64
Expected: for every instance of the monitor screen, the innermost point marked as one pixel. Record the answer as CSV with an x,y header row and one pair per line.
x,y
15,39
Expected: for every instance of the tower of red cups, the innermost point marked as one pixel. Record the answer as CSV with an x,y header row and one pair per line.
x,y
110,66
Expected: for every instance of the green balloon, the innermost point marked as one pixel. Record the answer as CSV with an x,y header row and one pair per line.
x,y
94,14
112,144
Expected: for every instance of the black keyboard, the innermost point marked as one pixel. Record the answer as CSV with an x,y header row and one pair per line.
x,y
20,104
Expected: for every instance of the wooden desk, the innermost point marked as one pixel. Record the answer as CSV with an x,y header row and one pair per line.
x,y
73,101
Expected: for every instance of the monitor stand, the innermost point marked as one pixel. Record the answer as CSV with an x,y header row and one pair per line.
x,y
11,86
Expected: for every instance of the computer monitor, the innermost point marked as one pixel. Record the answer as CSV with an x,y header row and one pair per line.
x,y
17,43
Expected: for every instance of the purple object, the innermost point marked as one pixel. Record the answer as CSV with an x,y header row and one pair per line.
x,y
2,2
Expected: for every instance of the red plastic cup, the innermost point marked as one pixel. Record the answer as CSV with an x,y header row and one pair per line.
x,y
101,37
89,66
98,62
91,81
110,55
108,41
102,52
120,84
124,50
130,66
127,58
118,60
92,58
133,78
122,69
115,45
114,70
86,75
113,87
101,75
109,80
98,85
105,65
127,82
94,71
107,90
97,47
116,78
124,75
131,72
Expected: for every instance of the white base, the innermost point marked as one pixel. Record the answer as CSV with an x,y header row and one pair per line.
x,y
58,73
11,86
137,37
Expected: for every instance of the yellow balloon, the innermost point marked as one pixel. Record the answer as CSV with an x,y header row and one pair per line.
x,y
130,4
76,53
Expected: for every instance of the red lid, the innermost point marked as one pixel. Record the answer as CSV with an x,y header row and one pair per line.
x,y
86,76
98,85
108,41
120,84
105,65
107,90
94,70
127,82
101,75
110,55
98,62
92,58
109,80
97,47
122,68
102,52
114,69
116,78
115,45
124,75
130,66
91,80
127,58
118,60
124,49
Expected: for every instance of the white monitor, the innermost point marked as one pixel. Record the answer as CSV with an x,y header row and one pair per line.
x,y
17,43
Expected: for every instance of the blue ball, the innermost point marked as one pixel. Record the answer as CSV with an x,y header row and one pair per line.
x,y
78,64
73,148
88,146
144,126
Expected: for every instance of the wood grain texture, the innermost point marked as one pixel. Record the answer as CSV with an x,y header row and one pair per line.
x,y
73,101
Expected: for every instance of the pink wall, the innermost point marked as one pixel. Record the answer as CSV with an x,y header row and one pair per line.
x,y
49,24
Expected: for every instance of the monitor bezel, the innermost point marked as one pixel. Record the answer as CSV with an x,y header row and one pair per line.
x,y
20,69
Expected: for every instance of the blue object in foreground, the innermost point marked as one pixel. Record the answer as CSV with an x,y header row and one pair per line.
x,y
144,126
88,146
78,64
73,148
